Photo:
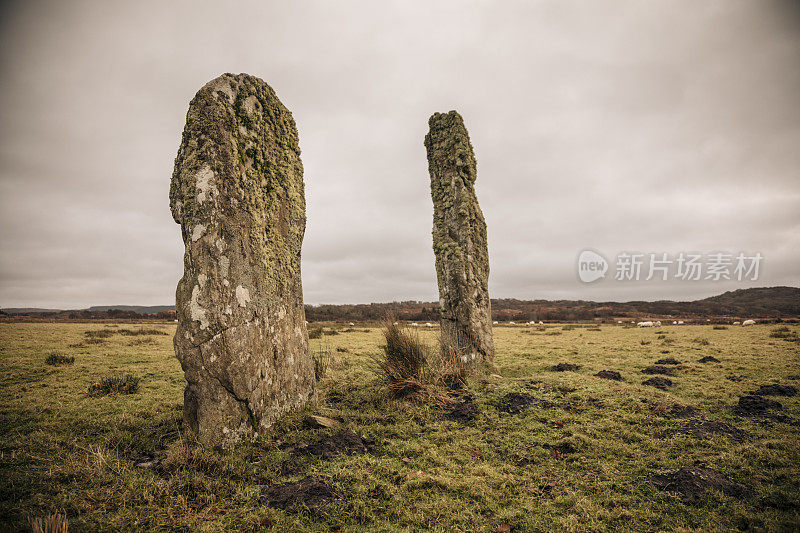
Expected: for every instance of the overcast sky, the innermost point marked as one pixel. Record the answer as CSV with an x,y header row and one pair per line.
x,y
660,126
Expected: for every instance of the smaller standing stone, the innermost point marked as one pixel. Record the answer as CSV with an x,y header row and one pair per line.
x,y
459,239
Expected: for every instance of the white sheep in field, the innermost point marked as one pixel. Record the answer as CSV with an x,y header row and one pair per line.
x,y
428,325
657,323
352,324
647,324
532,323
414,325
737,323
541,323
680,322
674,322
495,322
512,322
749,323
619,321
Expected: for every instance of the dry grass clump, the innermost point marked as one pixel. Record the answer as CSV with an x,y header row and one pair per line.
x,y
127,384
59,359
135,332
99,333
52,523
414,370
322,361
403,363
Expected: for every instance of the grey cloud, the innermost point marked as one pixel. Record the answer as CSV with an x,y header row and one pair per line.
x,y
659,126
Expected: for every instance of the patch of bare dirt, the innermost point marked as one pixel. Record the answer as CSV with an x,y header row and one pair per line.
x,y
345,442
566,367
752,405
659,383
609,374
709,359
668,361
658,369
776,390
463,412
310,494
693,482
515,402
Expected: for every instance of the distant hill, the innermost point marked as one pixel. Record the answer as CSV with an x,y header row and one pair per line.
x,y
763,302
766,302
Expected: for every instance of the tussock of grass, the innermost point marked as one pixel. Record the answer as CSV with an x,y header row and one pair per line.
x,y
52,523
135,332
126,384
59,359
410,368
322,361
403,363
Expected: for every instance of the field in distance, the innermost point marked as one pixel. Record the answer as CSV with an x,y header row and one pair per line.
x,y
90,418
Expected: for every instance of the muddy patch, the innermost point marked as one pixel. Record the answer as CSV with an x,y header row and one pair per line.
x,y
693,482
668,361
658,369
609,374
463,412
705,429
751,405
659,383
345,442
566,367
311,494
514,402
776,390
709,359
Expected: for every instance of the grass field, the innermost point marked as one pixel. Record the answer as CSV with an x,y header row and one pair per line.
x,y
580,457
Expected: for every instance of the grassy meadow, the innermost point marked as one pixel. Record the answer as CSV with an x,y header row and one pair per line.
x,y
579,457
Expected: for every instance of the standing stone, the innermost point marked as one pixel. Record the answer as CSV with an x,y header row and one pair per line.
x,y
459,239
237,192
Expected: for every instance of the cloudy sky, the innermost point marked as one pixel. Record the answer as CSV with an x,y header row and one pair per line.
x,y
661,126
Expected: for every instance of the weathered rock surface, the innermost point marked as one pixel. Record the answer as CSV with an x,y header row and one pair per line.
x,y
459,239
237,192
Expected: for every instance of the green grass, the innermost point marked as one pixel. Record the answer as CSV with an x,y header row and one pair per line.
x,y
64,449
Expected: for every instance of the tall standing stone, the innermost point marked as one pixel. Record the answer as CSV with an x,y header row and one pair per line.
x,y
459,239
237,192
